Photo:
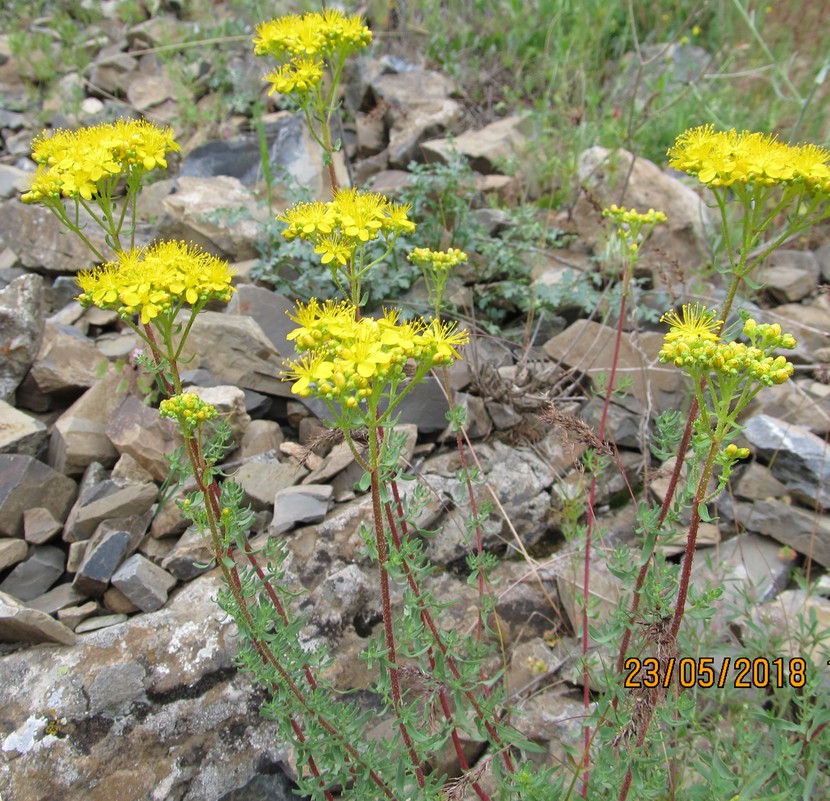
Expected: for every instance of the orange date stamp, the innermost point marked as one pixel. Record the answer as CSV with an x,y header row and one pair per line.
x,y
742,673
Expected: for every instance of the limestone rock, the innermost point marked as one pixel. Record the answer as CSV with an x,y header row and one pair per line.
x,y
25,483
681,239
20,623
144,583
144,91
488,150
20,433
797,457
588,346
129,501
36,574
793,402
236,351
39,525
176,666
190,556
67,361
206,211
12,551
35,234
229,402
57,598
263,476
113,541
79,436
791,275
806,532
260,437
308,503
138,430
269,309
21,326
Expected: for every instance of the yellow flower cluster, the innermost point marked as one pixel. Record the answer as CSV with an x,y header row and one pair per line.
x,y
347,359
352,218
156,279
437,259
725,158
625,216
188,408
305,43
692,343
78,163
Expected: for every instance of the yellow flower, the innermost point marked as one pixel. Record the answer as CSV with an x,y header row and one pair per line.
x,y
361,214
308,219
334,249
188,408
157,279
300,75
313,34
80,164
623,215
437,259
695,324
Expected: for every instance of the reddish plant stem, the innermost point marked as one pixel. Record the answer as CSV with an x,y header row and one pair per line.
x,y
388,629
429,622
445,707
312,764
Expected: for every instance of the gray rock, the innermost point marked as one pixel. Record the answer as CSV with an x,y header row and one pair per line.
x,y
757,483
67,362
72,616
236,351
489,149
128,471
263,476
25,483
145,91
206,211
269,309
79,435
791,402
293,506
797,457
21,329
132,500
39,525
791,275
37,573
111,70
588,346
338,599
681,239
807,322
806,532
35,234
113,541
229,403
19,432
144,583
478,423
57,598
260,437
12,551
116,602
186,556
20,623
138,430
99,622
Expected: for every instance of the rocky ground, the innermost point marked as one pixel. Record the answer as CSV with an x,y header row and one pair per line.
x,y
117,666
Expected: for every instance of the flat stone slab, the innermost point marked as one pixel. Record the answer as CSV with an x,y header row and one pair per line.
x,y
308,503
20,623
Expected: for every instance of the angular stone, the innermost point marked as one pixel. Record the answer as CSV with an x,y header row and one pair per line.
x,y
806,532
35,234
196,212
116,602
337,460
67,362
757,483
230,404
138,430
79,436
99,622
39,525
682,238
144,583
791,275
191,551
24,483
77,550
488,149
21,329
36,574
134,499
56,599
260,437
145,91
588,346
478,424
791,402
128,471
71,616
797,457
308,503
236,351
113,541
12,551
269,309
19,623
20,433
262,477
